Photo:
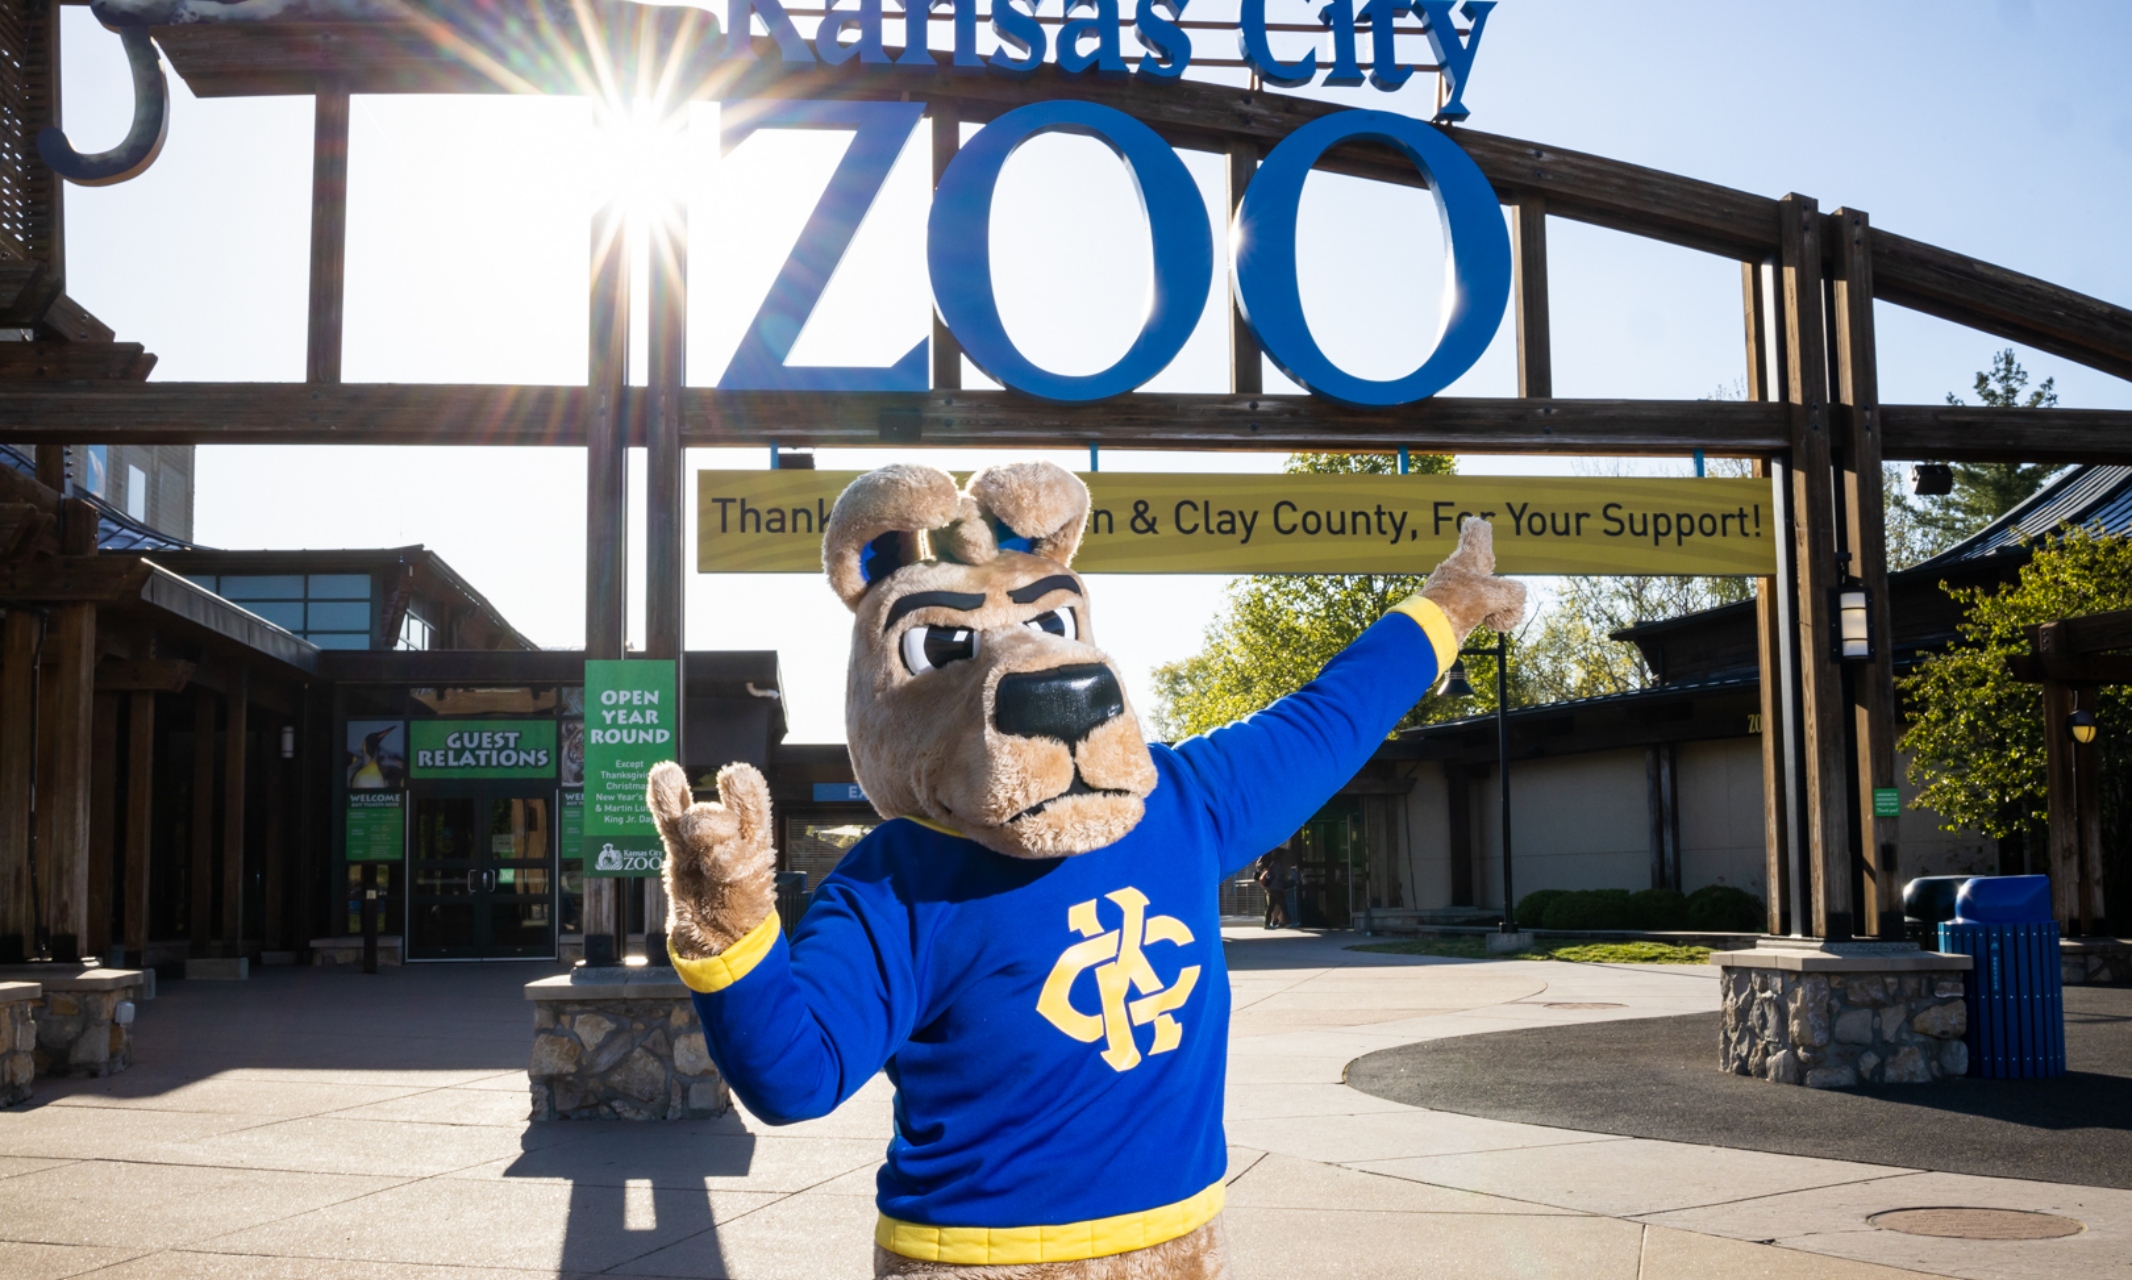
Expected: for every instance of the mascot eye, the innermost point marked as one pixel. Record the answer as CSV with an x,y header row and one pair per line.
x,y
925,648
1059,622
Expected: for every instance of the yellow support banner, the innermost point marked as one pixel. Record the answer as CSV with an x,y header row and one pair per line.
x,y
1155,522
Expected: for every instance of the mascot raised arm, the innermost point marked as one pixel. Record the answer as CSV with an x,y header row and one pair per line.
x,y
1030,944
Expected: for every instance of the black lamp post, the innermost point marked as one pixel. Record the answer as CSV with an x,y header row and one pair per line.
x,y
1457,686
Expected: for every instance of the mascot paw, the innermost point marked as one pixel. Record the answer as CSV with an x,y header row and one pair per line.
x,y
720,863
1465,587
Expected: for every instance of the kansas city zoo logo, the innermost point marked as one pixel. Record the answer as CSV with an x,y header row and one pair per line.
x,y
1119,962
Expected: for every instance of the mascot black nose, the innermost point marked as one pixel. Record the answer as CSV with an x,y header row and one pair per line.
x,y
1066,703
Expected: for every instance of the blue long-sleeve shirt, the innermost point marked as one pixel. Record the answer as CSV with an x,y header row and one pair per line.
x,y
1056,1029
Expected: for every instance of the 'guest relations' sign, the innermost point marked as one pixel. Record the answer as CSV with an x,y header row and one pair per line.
x,y
771,522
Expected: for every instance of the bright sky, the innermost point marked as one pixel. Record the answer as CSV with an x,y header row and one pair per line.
x,y
2001,129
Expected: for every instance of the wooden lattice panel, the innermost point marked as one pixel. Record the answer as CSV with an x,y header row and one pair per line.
x,y
29,195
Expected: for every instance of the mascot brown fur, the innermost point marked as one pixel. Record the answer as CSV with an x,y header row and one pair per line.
x,y
978,705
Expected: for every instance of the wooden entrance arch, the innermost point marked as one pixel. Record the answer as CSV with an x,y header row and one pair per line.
x,y
1812,418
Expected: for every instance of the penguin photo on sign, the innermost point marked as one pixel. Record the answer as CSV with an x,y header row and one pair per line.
x,y
1029,946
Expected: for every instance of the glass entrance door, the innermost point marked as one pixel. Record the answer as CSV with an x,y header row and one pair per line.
x,y
482,881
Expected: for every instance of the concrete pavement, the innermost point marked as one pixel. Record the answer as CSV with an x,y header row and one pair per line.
x,y
321,1124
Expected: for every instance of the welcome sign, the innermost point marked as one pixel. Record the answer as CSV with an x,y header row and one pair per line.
x,y
771,522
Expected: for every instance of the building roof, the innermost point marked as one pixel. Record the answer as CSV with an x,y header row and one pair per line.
x,y
2087,497
115,530
428,571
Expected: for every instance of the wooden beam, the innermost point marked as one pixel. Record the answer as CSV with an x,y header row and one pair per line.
x,y
2076,668
61,579
20,632
235,741
947,142
68,321
1247,365
1528,258
74,362
1824,714
1856,441
143,675
201,820
2017,307
1956,433
2096,632
140,821
27,291
1771,653
277,847
604,424
103,823
329,233
666,564
22,528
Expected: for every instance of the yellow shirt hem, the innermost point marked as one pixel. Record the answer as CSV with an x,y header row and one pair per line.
x,y
1065,1242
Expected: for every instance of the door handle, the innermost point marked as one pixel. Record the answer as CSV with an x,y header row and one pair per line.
x,y
488,881
470,874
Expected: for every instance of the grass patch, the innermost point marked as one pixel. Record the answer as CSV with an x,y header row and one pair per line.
x,y
1580,952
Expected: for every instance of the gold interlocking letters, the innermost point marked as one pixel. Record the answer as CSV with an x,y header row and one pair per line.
x,y
1120,966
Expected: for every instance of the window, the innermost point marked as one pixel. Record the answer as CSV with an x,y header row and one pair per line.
x,y
137,494
414,630
95,460
331,610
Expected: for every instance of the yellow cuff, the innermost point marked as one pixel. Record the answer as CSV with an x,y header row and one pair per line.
x,y
1433,624
1066,1242
731,965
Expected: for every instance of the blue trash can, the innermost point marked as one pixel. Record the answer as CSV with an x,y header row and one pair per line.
x,y
2015,994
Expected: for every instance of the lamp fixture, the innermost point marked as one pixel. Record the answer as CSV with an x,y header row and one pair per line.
x,y
288,742
1455,683
1854,628
1932,479
2083,726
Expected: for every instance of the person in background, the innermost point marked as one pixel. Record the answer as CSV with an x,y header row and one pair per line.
x,y
1265,878
1291,894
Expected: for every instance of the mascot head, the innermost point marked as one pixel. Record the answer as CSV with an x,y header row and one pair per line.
x,y
977,699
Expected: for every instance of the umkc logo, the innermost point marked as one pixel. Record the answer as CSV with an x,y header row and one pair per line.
x,y
1262,251
1120,966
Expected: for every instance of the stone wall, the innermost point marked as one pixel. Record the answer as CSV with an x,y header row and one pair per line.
x,y
622,1058
2091,961
18,1044
1835,1030
85,1032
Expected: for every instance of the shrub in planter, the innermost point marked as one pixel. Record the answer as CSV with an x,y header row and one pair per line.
x,y
1532,908
1658,909
1720,908
1589,909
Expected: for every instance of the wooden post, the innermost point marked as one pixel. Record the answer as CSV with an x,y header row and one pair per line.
x,y
607,471
234,734
103,822
20,632
67,703
329,232
1528,238
1823,712
1779,721
947,140
1458,834
1864,533
276,847
2061,802
200,922
1247,371
140,819
665,463
2087,826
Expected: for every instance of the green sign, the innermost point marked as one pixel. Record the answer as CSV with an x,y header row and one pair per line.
x,y
632,720
573,833
377,828
1887,802
482,749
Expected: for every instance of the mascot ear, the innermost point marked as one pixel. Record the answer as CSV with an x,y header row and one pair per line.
x,y
879,524
1040,505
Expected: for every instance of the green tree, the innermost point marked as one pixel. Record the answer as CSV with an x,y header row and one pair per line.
x,y
1984,491
1277,630
1975,736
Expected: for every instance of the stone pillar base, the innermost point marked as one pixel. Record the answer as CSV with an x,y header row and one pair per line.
x,y
624,1045
85,1019
18,1040
2088,961
1843,1015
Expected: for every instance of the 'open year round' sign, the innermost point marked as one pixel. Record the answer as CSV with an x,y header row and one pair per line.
x,y
1262,237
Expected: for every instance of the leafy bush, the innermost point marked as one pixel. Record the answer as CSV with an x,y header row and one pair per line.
x,y
1658,909
1720,908
1532,908
1589,909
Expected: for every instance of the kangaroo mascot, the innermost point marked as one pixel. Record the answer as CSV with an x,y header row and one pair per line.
x,y
1030,945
